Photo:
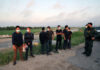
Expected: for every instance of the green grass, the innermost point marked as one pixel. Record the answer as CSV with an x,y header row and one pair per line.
x,y
7,55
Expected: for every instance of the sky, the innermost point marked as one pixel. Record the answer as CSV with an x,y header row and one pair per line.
x,y
34,13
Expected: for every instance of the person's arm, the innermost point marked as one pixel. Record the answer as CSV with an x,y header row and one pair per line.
x,y
52,35
13,41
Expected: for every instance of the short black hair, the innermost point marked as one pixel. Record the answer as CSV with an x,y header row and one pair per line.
x,y
59,26
49,27
17,26
66,26
29,27
90,23
43,28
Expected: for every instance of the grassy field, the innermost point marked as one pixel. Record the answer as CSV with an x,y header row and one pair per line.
x,y
7,55
9,32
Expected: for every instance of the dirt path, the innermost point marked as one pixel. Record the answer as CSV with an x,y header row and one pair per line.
x,y
65,60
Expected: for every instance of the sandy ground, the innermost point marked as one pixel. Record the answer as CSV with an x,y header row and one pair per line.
x,y
64,60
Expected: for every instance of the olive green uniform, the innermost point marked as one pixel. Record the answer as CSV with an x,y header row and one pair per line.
x,y
89,33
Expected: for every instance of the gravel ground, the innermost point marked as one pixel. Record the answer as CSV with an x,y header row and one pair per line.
x,y
65,60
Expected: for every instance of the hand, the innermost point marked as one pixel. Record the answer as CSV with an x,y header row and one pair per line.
x,y
93,38
64,38
28,43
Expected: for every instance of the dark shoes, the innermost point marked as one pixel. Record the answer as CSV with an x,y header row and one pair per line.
x,y
84,53
14,63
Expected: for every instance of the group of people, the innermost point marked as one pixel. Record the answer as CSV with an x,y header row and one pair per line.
x,y
45,38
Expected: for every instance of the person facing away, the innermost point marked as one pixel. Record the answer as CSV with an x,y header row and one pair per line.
x,y
69,38
17,42
28,39
90,37
59,38
50,37
43,40
65,33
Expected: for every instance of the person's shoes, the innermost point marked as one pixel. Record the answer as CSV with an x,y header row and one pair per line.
x,y
32,55
56,52
48,53
14,63
88,55
84,53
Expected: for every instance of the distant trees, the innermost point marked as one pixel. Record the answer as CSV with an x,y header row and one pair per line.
x,y
13,27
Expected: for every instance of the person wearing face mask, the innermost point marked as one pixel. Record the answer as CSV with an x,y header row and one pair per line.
x,y
59,38
50,37
90,35
17,41
28,39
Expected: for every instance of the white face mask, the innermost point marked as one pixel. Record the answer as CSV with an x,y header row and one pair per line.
x,y
48,29
27,30
59,27
17,30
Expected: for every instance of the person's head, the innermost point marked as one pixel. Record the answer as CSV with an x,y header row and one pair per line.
x,y
49,28
28,29
90,24
43,28
66,27
59,27
18,29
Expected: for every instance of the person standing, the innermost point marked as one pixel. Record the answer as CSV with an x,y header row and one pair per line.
x,y
17,41
90,37
28,39
86,27
65,33
59,38
50,37
43,40
69,38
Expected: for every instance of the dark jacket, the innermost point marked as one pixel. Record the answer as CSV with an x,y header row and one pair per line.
x,y
49,35
28,37
43,37
17,39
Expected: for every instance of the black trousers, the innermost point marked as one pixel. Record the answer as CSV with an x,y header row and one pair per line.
x,y
65,44
43,48
69,44
88,47
58,44
27,49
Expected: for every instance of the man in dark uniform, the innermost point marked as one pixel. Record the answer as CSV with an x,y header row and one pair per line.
x,y
28,38
65,33
43,40
90,37
50,35
69,38
17,41
86,27
59,38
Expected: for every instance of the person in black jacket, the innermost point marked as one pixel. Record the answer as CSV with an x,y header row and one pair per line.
x,y
69,38
43,40
50,37
28,39
65,33
17,41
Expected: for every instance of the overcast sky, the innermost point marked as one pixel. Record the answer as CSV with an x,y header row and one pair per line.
x,y
49,12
